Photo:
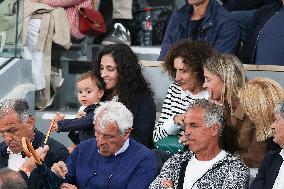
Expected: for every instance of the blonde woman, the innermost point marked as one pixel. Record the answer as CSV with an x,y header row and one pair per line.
x,y
258,99
224,78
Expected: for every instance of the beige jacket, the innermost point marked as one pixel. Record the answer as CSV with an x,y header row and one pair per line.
x,y
239,136
54,28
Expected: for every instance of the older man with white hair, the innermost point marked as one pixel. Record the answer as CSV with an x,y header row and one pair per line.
x,y
206,165
112,159
271,173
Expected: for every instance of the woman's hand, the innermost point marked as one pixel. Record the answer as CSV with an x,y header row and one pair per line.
x,y
60,169
179,119
217,102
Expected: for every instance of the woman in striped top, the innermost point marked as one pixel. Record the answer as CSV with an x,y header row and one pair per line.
x,y
184,63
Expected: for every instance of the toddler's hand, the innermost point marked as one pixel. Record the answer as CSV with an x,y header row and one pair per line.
x,y
58,117
81,114
53,126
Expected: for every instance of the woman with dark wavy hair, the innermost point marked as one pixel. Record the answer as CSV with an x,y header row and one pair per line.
x,y
120,69
184,63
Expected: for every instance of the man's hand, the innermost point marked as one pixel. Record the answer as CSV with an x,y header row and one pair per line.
x,y
167,183
183,140
30,162
67,186
60,169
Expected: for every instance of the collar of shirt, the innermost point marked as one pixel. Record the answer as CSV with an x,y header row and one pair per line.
x,y
189,94
282,154
9,151
123,148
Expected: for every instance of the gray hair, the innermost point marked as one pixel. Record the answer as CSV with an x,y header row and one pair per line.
x,y
279,108
212,113
114,112
20,106
10,179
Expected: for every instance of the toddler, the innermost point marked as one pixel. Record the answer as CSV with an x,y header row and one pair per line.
x,y
90,89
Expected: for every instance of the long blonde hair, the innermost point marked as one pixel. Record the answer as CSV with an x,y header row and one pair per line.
x,y
231,71
258,99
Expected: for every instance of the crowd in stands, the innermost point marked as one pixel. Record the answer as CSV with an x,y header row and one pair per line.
x,y
249,29
214,127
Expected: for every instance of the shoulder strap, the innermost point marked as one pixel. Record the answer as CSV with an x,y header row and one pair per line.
x,y
182,174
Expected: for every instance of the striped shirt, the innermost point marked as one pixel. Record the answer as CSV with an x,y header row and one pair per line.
x,y
176,102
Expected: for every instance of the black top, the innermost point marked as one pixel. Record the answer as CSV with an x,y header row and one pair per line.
x,y
193,27
144,113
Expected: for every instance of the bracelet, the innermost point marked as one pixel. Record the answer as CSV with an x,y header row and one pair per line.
x,y
26,171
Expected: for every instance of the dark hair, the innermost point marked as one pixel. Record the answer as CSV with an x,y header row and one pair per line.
x,y
10,179
131,82
96,78
193,53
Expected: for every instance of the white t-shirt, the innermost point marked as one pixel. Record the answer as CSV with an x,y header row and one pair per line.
x,y
15,161
279,181
195,169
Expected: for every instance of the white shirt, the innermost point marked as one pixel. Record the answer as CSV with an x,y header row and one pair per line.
x,y
123,148
15,161
279,181
195,169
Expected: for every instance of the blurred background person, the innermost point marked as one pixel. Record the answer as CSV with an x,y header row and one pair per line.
x,y
10,179
204,20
